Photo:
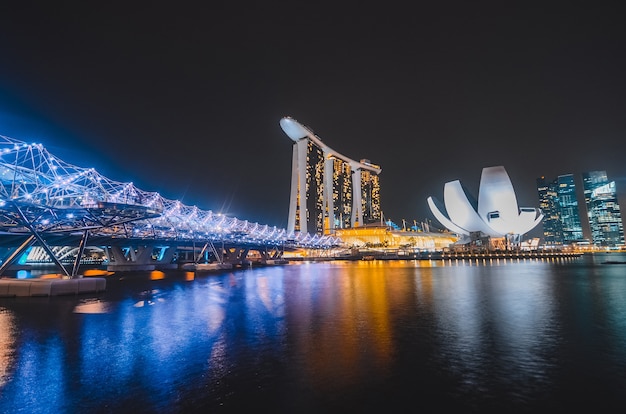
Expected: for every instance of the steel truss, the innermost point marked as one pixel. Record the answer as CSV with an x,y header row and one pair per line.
x,y
43,197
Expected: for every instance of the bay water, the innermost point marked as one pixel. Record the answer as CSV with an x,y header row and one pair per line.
x,y
531,335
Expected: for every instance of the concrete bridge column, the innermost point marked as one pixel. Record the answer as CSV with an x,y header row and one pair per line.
x,y
235,255
167,256
139,258
270,254
144,257
116,254
144,254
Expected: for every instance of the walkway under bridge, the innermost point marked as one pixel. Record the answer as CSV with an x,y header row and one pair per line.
x,y
51,208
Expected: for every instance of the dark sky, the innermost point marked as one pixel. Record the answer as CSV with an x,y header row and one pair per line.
x,y
186,100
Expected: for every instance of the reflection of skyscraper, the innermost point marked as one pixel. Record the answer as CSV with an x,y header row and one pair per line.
x,y
605,219
328,189
549,205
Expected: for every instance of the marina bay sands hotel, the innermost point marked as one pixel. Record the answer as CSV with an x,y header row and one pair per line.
x,y
329,191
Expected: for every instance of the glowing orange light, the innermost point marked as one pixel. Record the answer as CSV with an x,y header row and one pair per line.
x,y
157,275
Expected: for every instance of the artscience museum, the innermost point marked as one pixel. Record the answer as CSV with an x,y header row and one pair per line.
x,y
494,214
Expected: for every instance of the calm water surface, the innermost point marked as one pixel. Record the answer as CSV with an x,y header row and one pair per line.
x,y
386,336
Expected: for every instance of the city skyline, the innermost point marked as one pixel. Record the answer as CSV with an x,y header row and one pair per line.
x,y
188,102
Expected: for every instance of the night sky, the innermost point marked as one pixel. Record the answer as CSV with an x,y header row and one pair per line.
x,y
186,100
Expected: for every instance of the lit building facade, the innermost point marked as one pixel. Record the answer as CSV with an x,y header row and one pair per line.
x,y
568,206
370,189
386,238
559,201
549,205
603,211
328,190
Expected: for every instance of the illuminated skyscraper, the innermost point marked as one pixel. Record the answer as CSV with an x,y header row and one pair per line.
x,y
570,213
328,189
559,203
603,212
549,205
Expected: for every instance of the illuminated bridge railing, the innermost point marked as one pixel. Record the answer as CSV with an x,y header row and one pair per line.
x,y
42,194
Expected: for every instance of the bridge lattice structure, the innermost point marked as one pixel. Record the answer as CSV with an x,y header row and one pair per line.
x,y
43,198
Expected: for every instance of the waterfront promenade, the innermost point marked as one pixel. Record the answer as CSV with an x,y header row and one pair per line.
x,y
439,255
35,283
13,287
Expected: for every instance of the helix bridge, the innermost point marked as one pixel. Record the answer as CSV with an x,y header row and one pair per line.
x,y
63,208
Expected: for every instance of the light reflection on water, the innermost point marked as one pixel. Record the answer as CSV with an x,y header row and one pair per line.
x,y
311,337
7,345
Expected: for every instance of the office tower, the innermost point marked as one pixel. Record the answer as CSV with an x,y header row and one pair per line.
x,y
603,212
559,203
328,189
549,205
568,205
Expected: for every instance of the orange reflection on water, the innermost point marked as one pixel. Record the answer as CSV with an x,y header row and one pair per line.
x,y
427,263
7,345
354,325
92,306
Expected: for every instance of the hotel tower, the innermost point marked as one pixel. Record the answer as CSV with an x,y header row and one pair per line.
x,y
328,189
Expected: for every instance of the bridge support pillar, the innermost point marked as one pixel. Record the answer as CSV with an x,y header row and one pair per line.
x,y
273,255
236,255
139,258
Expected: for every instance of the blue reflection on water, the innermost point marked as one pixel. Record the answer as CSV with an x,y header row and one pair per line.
x,y
326,336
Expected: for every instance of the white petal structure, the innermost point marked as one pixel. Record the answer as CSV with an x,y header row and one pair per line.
x,y
495,214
